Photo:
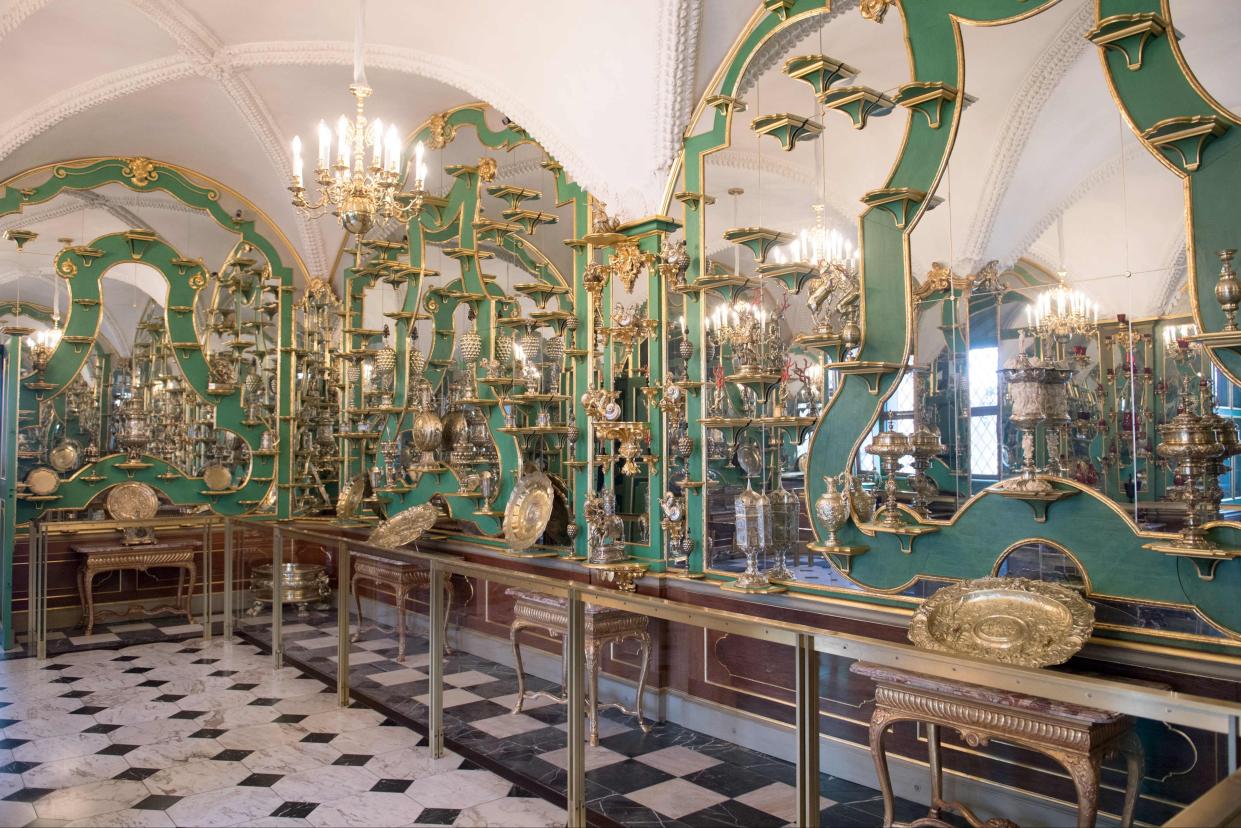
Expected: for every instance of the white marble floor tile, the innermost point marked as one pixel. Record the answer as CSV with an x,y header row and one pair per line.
x,y
113,698
341,720
291,758
378,644
417,660
297,628
509,811
226,806
412,763
395,677
453,697
256,737
677,760
127,818
468,679
676,798
607,727
183,629
76,770
134,627
85,801
10,782
361,657
510,701
19,813
458,789
596,757
149,733
96,638
216,700
779,800
55,748
508,724
309,704
195,777
276,822
283,687
243,716
136,712
320,643
368,809
373,740
163,754
54,724
325,784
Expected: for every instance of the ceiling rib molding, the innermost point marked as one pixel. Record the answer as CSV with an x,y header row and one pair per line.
x,y
202,47
677,52
1040,83
15,13
1100,174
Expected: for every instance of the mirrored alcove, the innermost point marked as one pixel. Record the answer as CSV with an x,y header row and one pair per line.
x,y
153,355
814,130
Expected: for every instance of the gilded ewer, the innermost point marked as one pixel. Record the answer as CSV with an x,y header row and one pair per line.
x,y
832,507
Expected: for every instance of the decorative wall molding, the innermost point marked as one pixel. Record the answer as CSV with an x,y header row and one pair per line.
x,y
677,52
1040,83
1175,281
201,46
1097,176
15,13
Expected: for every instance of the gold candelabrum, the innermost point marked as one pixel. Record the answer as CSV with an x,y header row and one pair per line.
x,y
889,447
362,186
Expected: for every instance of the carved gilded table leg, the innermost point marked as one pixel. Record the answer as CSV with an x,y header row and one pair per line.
x,y
644,643
1135,767
514,633
593,651
936,767
879,723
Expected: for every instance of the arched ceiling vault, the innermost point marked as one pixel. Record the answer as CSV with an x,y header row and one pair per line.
x,y
607,89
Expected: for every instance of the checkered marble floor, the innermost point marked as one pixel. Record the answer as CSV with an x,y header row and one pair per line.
x,y
117,633
209,734
669,777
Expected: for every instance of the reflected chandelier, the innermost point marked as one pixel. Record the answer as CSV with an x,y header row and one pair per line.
x,y
362,186
1063,312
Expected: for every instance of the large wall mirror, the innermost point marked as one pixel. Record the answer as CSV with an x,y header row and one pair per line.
x,y
153,299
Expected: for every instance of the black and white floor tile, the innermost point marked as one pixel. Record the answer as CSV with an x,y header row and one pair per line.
x,y
115,634
187,733
669,777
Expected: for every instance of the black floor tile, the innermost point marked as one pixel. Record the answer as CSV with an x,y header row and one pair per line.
x,y
116,750
231,755
261,780
157,802
735,815
9,744
628,776
729,780
437,816
136,774
355,759
28,794
102,728
18,767
295,810
392,785
319,738
208,733
188,714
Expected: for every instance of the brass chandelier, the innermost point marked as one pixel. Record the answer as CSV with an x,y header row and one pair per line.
x,y
362,187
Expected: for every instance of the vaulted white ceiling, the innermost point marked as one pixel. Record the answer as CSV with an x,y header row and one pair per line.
x,y
607,88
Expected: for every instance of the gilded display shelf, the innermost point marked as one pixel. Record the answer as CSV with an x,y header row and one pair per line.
x,y
758,240
1039,502
860,103
694,200
513,194
820,71
787,128
1184,139
1128,34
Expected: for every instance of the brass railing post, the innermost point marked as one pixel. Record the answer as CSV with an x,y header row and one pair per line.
x,y
575,652
343,565
36,599
228,578
807,732
277,599
435,706
1233,721
208,574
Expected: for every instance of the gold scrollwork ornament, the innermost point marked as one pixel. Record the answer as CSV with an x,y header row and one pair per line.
x,y
875,9
141,171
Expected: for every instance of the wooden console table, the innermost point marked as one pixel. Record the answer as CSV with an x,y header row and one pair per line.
x,y
1079,738
113,557
399,578
604,625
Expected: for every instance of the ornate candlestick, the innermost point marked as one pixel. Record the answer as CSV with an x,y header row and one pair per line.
x,y
889,447
1228,289
924,445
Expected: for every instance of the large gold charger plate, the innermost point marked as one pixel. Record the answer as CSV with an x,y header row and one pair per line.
x,y
132,501
404,527
528,511
1010,620
351,496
